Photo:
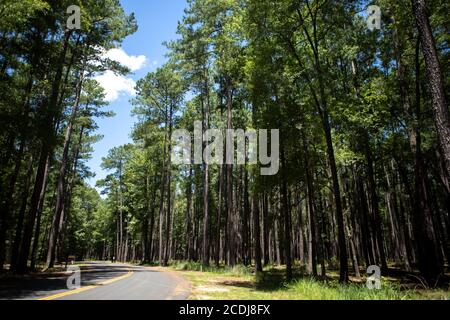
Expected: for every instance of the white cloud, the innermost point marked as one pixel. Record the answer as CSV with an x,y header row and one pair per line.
x,y
114,85
134,63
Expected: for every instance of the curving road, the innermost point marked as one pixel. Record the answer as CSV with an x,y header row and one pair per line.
x,y
100,281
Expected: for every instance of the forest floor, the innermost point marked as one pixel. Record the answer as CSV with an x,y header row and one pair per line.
x,y
240,284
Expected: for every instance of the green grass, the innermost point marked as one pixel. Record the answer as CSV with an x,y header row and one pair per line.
x,y
239,283
238,270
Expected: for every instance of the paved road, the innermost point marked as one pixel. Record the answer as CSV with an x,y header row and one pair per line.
x,y
100,281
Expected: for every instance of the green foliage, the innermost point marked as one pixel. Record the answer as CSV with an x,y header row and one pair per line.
x,y
352,106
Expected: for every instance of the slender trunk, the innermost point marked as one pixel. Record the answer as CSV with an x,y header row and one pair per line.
x,y
343,259
206,218
266,229
169,188
58,216
188,252
219,216
46,150
375,205
230,206
37,229
428,257
5,208
348,210
161,206
276,241
21,215
300,229
286,217
69,190
246,222
257,233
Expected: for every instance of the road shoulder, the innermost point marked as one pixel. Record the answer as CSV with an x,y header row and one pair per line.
x,y
184,287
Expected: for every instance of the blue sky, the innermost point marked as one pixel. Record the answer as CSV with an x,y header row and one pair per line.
x,y
157,21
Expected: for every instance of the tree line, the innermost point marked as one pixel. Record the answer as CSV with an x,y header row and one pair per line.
x,y
364,139
48,106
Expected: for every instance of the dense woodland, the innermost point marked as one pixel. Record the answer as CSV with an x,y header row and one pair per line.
x,y
364,126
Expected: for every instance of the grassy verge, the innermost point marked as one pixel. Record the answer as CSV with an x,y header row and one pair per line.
x,y
239,283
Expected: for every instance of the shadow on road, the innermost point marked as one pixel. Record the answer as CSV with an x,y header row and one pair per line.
x,y
41,285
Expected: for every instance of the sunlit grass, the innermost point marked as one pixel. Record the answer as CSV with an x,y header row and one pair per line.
x,y
239,283
238,270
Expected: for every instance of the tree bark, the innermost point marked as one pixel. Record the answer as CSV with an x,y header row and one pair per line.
x,y
435,78
58,216
230,203
21,216
206,218
286,217
257,232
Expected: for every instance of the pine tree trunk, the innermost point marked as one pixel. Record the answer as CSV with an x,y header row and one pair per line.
x,y
343,257
312,251
37,228
161,205
58,216
206,218
169,189
257,232
286,217
219,217
435,79
429,264
189,244
230,203
375,204
21,216
246,222
266,228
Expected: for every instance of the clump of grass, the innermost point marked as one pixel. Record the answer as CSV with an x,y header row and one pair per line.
x,y
188,266
311,289
238,270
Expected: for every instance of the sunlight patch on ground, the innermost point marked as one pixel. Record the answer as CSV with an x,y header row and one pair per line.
x,y
203,288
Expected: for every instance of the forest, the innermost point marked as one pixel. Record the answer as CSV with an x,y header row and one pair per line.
x,y
364,138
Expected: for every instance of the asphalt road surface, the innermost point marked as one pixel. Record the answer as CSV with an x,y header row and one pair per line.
x,y
99,281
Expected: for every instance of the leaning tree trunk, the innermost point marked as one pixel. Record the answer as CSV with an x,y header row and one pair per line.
x,y
61,194
52,111
37,228
434,77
